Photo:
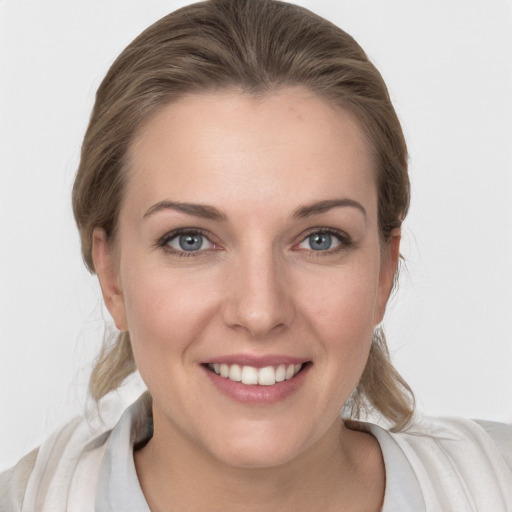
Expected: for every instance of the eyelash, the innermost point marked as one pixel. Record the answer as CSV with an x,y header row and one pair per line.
x,y
162,243
344,240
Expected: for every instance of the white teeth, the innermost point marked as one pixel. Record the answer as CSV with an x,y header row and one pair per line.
x,y
250,375
266,376
281,373
235,373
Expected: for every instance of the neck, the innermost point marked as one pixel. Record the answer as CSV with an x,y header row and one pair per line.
x,y
343,467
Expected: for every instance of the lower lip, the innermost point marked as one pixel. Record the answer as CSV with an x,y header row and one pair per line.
x,y
256,394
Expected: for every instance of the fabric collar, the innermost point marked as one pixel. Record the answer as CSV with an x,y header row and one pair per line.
x,y
119,488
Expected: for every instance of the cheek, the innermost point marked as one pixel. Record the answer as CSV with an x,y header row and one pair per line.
x,y
166,310
341,314
345,302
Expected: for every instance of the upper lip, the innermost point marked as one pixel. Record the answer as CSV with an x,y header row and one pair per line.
x,y
256,361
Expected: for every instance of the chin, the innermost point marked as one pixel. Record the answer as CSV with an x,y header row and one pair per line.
x,y
264,449
257,457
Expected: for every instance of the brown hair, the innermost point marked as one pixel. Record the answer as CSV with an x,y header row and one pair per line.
x,y
255,46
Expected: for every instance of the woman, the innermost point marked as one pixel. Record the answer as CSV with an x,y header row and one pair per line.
x,y
240,195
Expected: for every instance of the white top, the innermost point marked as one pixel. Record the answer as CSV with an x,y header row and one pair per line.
x,y
436,465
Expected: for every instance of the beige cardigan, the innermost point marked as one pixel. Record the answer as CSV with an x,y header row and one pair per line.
x,y
461,466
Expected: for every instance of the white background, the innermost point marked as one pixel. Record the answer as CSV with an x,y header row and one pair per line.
x,y
448,64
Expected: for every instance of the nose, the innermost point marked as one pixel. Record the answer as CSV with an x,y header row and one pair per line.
x,y
258,300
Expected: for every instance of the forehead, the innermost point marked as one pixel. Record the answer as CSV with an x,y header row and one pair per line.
x,y
221,146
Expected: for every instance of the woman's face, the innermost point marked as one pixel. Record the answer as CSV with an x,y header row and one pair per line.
x,y
248,248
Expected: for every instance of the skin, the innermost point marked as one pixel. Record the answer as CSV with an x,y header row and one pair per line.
x,y
256,287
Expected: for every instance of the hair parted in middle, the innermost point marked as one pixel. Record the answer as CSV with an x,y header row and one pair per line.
x,y
255,47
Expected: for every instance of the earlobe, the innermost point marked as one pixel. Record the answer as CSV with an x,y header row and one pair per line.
x,y
108,275
388,268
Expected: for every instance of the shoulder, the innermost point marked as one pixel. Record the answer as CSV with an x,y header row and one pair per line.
x,y
64,465
501,434
458,439
459,461
13,482
459,434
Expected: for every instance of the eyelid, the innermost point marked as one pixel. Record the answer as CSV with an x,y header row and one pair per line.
x,y
344,239
163,241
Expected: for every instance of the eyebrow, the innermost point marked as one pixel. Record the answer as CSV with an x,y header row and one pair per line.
x,y
326,205
210,212
197,210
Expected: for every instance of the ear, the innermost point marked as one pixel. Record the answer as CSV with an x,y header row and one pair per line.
x,y
107,270
389,264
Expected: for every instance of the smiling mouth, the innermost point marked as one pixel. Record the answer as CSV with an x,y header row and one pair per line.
x,y
251,376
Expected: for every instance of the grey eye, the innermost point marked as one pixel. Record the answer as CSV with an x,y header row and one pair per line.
x,y
191,242
320,241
